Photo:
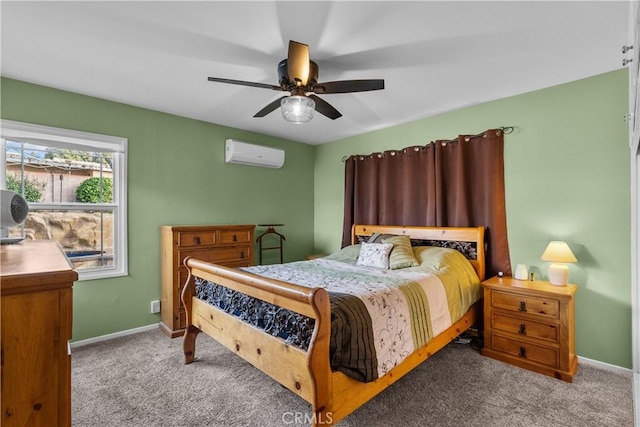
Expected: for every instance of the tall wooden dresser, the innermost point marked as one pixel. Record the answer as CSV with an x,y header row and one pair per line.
x,y
228,245
36,293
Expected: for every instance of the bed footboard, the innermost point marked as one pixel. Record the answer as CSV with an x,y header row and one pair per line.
x,y
306,373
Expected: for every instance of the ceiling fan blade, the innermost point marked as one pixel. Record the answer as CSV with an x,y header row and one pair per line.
x,y
298,63
347,86
324,108
243,83
269,108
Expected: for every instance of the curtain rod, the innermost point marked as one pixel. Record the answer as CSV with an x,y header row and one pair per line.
x,y
505,130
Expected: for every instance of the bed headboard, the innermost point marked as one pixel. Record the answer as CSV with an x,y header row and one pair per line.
x,y
467,240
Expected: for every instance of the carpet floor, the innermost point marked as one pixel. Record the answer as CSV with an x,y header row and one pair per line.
x,y
140,380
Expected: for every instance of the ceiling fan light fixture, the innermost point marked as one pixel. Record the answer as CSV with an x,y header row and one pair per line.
x,y
297,108
298,75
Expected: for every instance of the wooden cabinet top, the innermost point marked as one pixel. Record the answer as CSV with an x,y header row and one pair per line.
x,y
528,287
206,227
34,265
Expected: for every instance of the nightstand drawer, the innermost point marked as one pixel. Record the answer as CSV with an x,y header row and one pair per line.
x,y
524,327
526,351
525,304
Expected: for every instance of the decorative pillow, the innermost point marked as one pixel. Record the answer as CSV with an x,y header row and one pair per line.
x,y
348,254
374,255
435,257
445,261
402,254
379,238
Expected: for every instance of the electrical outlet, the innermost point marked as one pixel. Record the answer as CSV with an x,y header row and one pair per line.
x,y
155,306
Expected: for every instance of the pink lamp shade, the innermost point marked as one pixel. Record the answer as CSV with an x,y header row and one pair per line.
x,y
558,253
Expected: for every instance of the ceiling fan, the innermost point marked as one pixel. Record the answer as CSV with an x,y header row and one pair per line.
x,y
298,75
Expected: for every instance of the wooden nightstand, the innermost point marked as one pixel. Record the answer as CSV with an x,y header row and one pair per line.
x,y
315,256
531,324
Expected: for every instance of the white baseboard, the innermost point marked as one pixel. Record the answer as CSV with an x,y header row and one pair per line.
x,y
80,343
603,365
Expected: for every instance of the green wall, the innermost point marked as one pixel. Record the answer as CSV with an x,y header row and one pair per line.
x,y
567,173
567,178
176,175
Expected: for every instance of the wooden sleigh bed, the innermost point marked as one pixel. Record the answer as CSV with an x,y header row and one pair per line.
x,y
332,394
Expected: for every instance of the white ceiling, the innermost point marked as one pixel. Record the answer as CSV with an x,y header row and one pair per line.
x,y
433,56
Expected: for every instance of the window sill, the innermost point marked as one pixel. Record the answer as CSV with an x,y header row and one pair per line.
x,y
100,274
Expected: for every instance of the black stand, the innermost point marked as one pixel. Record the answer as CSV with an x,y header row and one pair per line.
x,y
270,230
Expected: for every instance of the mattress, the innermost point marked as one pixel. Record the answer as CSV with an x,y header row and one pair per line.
x,y
378,316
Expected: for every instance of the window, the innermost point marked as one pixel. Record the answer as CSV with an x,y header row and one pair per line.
x,y
75,185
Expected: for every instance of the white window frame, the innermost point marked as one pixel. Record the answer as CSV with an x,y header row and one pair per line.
x,y
78,140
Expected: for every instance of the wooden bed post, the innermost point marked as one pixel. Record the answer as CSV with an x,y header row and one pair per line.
x,y
319,361
191,332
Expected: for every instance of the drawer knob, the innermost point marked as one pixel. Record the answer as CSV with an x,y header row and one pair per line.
x,y
523,352
242,254
196,240
235,238
523,306
523,329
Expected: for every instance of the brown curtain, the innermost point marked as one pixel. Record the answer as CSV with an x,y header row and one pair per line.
x,y
457,183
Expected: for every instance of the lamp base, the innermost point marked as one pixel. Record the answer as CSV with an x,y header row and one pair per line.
x,y
558,274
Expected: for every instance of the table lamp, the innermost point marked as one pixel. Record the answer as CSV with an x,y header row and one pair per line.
x,y
558,253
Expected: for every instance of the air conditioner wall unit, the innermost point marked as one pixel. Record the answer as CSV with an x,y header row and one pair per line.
x,y
253,155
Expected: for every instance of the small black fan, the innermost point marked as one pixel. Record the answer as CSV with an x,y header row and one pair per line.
x,y
13,211
298,75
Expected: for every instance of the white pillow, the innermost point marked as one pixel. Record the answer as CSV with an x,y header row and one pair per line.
x,y
374,255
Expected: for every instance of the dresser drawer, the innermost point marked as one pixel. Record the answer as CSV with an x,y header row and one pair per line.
x,y
236,264
183,274
196,238
235,236
525,327
182,317
546,307
217,255
527,351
